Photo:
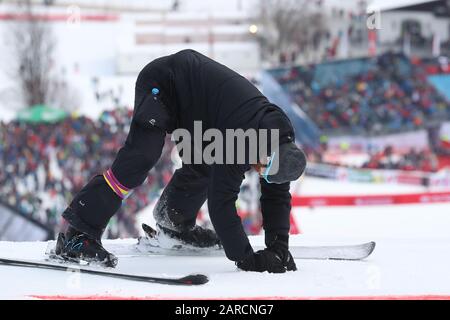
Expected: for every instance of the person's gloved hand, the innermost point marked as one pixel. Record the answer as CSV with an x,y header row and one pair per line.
x,y
281,248
276,258
261,261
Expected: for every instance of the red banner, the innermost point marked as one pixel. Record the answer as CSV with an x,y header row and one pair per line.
x,y
370,200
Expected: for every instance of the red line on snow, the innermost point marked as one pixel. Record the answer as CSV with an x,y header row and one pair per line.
x,y
386,297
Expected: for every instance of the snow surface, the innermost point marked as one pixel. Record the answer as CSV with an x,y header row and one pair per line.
x,y
411,258
401,267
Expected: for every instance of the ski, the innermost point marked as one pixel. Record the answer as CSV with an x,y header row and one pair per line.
x,y
151,244
343,252
190,280
155,243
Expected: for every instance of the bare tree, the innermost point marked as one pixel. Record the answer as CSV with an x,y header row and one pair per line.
x,y
291,26
33,46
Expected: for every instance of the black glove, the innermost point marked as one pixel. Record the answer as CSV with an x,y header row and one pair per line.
x,y
276,258
261,261
280,246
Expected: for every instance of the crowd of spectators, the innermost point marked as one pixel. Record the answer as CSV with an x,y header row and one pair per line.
x,y
44,165
386,159
385,94
425,161
432,66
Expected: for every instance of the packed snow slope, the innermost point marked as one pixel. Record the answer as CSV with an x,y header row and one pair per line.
x,y
411,260
397,268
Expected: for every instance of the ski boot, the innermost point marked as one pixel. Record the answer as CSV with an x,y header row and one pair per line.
x,y
76,246
195,236
176,225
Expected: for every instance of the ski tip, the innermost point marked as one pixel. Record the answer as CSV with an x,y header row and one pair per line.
x,y
195,279
372,246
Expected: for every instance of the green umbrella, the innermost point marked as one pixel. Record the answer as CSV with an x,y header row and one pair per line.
x,y
41,114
